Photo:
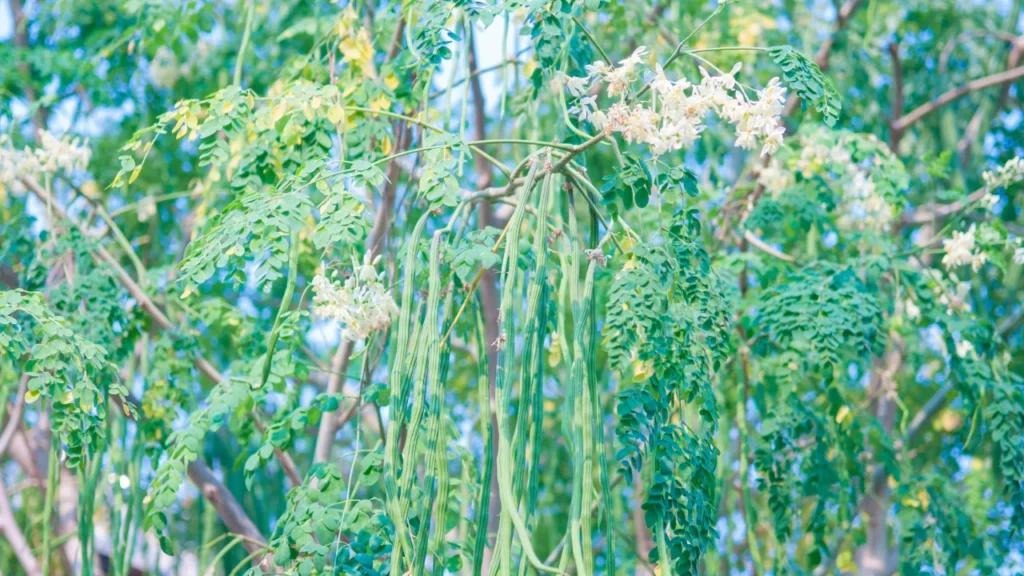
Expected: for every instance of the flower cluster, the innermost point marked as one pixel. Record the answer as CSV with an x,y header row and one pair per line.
x,y
53,155
862,202
960,250
362,304
774,177
1005,175
62,154
675,118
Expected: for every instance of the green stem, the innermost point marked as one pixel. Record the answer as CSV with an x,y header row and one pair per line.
x,y
52,474
286,299
593,40
249,17
728,49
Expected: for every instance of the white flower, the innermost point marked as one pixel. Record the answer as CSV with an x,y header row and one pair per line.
x,y
964,348
597,70
1018,256
773,95
1009,173
912,310
67,154
125,482
960,251
362,305
746,139
585,109
637,57
52,155
619,80
772,141
661,84
675,119
576,85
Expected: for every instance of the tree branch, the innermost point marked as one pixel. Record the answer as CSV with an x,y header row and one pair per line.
x,y
10,531
15,421
904,122
984,113
897,94
488,295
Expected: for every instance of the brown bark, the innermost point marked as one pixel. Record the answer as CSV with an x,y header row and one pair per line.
x,y
876,557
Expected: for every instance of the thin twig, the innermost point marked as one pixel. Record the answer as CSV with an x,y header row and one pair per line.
x,y
15,421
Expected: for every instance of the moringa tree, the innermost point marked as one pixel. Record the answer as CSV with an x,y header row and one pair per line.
x,y
663,287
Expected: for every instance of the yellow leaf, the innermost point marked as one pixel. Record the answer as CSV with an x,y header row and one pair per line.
x,y
31,396
279,111
335,113
226,107
135,174
642,370
529,67
845,562
380,103
391,81
67,397
842,414
385,146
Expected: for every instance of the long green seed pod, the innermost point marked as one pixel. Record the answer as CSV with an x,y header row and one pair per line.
x,y
439,443
509,503
396,380
487,435
428,344
581,532
595,398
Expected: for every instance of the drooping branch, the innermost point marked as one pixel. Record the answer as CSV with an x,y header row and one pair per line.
x,y
229,510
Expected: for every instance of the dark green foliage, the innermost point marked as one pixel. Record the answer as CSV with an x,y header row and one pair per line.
x,y
807,81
